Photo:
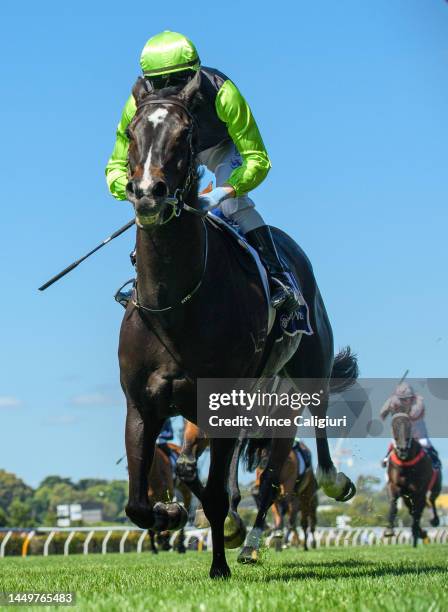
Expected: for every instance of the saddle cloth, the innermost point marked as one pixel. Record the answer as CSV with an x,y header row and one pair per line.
x,y
280,323
303,456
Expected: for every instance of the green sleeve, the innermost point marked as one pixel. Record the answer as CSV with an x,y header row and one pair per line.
x,y
117,166
233,109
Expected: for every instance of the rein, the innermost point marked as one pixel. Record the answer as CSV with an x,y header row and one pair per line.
x,y
178,203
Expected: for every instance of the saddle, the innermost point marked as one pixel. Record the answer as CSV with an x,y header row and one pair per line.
x,y
280,323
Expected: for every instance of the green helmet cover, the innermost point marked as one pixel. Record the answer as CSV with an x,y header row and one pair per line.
x,y
168,52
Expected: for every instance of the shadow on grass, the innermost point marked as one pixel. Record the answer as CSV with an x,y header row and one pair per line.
x,y
342,569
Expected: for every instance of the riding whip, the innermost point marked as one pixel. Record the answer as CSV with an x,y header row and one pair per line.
x,y
77,262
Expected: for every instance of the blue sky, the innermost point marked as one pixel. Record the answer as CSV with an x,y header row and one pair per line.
x,y
351,99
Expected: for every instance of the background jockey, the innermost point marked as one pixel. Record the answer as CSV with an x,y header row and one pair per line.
x,y
405,400
230,146
165,436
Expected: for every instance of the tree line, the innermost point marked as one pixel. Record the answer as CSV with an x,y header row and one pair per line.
x,y
23,506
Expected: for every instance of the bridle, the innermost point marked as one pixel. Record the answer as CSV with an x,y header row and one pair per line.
x,y
177,201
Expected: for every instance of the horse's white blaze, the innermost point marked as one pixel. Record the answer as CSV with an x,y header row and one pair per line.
x,y
157,116
146,178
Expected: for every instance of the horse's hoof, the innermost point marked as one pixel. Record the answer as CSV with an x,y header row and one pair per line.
x,y
335,484
181,550
434,522
348,493
234,530
170,516
140,515
221,571
248,555
186,469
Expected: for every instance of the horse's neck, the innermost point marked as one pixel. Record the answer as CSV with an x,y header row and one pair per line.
x,y
170,261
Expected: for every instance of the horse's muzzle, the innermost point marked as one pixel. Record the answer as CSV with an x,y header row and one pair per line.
x,y
151,211
139,189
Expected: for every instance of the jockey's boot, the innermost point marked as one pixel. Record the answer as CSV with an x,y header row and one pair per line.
x,y
123,296
285,294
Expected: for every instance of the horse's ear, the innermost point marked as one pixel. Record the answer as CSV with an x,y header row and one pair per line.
x,y
140,90
191,88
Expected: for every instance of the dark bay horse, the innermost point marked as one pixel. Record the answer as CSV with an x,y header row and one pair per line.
x,y
162,486
197,313
297,494
410,476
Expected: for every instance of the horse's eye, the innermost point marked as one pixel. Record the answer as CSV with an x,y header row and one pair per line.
x,y
128,133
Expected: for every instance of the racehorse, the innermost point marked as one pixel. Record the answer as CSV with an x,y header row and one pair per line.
x,y
162,486
297,493
196,313
410,476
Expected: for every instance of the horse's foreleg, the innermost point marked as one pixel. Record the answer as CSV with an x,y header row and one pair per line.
x,y
391,516
234,488
292,521
193,445
215,501
141,434
418,506
304,521
435,521
313,521
180,547
234,527
152,540
269,489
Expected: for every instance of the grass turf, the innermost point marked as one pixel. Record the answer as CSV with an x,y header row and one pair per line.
x,y
357,579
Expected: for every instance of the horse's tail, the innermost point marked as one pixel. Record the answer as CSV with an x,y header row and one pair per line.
x,y
345,371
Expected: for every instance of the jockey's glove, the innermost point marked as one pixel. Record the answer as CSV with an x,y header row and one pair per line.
x,y
211,200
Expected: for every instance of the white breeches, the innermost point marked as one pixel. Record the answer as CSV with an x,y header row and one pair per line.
x,y
222,160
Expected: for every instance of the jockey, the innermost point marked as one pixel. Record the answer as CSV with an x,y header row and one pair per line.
x,y
230,146
405,400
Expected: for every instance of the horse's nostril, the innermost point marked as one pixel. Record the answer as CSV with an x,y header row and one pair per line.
x,y
159,189
130,187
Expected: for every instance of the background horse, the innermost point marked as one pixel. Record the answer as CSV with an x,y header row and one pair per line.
x,y
189,270
162,487
410,476
297,493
